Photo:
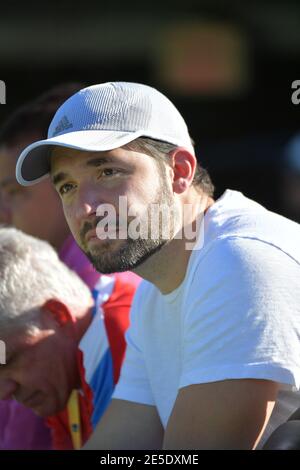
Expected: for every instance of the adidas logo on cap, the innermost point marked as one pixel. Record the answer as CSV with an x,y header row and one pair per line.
x,y
63,125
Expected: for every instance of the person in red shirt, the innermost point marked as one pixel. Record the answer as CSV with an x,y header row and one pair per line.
x,y
38,212
65,346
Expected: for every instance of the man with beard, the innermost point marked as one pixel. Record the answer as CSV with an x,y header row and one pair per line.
x,y
213,341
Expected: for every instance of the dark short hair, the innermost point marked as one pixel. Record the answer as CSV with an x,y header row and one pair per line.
x,y
160,151
33,118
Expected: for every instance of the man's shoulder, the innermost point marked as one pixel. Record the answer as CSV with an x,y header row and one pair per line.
x,y
238,218
241,262
236,213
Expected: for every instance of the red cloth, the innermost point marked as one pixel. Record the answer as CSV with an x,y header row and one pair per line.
x,y
116,319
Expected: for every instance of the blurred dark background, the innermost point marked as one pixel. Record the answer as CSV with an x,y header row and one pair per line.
x,y
227,65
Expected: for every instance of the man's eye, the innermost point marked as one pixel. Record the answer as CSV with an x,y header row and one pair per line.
x,y
65,188
109,172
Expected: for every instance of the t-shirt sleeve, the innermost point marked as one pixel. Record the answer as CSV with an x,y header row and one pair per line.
x,y
242,318
133,384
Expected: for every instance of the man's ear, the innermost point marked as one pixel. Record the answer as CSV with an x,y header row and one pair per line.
x,y
59,311
184,166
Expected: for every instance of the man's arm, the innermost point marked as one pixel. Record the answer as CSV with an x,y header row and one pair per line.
x,y
127,425
229,414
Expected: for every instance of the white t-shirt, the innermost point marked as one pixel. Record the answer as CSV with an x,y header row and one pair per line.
x,y
235,315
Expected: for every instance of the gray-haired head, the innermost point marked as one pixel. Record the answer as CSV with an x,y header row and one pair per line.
x,y
31,274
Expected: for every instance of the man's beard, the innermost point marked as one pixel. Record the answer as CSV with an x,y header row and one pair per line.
x,y
127,257
131,253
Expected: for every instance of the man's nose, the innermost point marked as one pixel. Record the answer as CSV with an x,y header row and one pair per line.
x,y
7,388
84,210
87,202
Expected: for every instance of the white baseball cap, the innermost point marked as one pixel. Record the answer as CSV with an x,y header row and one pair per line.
x,y
104,117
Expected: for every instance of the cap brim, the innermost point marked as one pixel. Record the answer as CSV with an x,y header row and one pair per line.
x,y
33,164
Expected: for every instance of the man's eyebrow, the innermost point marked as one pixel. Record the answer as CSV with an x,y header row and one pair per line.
x,y
58,177
93,162
97,161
